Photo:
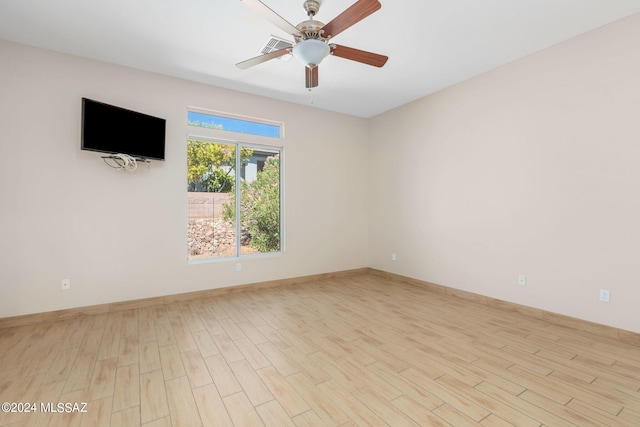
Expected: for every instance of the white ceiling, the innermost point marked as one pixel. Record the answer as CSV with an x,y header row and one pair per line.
x,y
431,44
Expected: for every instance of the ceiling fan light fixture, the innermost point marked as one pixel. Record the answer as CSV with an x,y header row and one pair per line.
x,y
311,51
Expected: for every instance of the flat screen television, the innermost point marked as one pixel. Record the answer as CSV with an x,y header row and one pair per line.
x,y
110,129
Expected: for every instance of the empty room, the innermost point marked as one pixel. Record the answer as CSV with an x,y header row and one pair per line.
x,y
320,213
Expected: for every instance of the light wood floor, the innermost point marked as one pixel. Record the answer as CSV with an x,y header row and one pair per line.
x,y
351,351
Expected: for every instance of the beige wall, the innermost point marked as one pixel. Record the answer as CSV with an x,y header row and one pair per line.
x,y
532,168
120,236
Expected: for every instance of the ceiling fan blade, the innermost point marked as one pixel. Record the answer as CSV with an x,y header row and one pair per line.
x,y
359,55
271,16
355,13
262,58
311,77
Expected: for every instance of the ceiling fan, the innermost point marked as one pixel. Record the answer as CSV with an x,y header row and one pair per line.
x,y
311,38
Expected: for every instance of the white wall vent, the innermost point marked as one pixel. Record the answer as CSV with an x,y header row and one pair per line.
x,y
276,43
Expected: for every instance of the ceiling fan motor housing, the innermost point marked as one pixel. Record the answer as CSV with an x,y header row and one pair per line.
x,y
310,29
310,46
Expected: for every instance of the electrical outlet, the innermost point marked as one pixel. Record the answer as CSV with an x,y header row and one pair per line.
x,y
604,295
393,257
522,280
238,267
66,284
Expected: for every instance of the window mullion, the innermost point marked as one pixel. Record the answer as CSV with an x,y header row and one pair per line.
x,y
238,188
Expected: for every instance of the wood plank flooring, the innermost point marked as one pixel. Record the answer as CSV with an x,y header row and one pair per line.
x,y
358,350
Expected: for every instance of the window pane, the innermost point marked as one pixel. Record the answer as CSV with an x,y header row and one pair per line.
x,y
260,203
233,125
210,180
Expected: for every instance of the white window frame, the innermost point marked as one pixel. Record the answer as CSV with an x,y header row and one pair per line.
x,y
256,142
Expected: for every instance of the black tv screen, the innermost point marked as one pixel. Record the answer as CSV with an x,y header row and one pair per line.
x,y
110,129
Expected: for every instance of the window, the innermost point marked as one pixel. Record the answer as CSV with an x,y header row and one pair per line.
x,y
235,198
230,124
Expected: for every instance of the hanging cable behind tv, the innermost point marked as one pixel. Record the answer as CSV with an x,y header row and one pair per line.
x,y
122,161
